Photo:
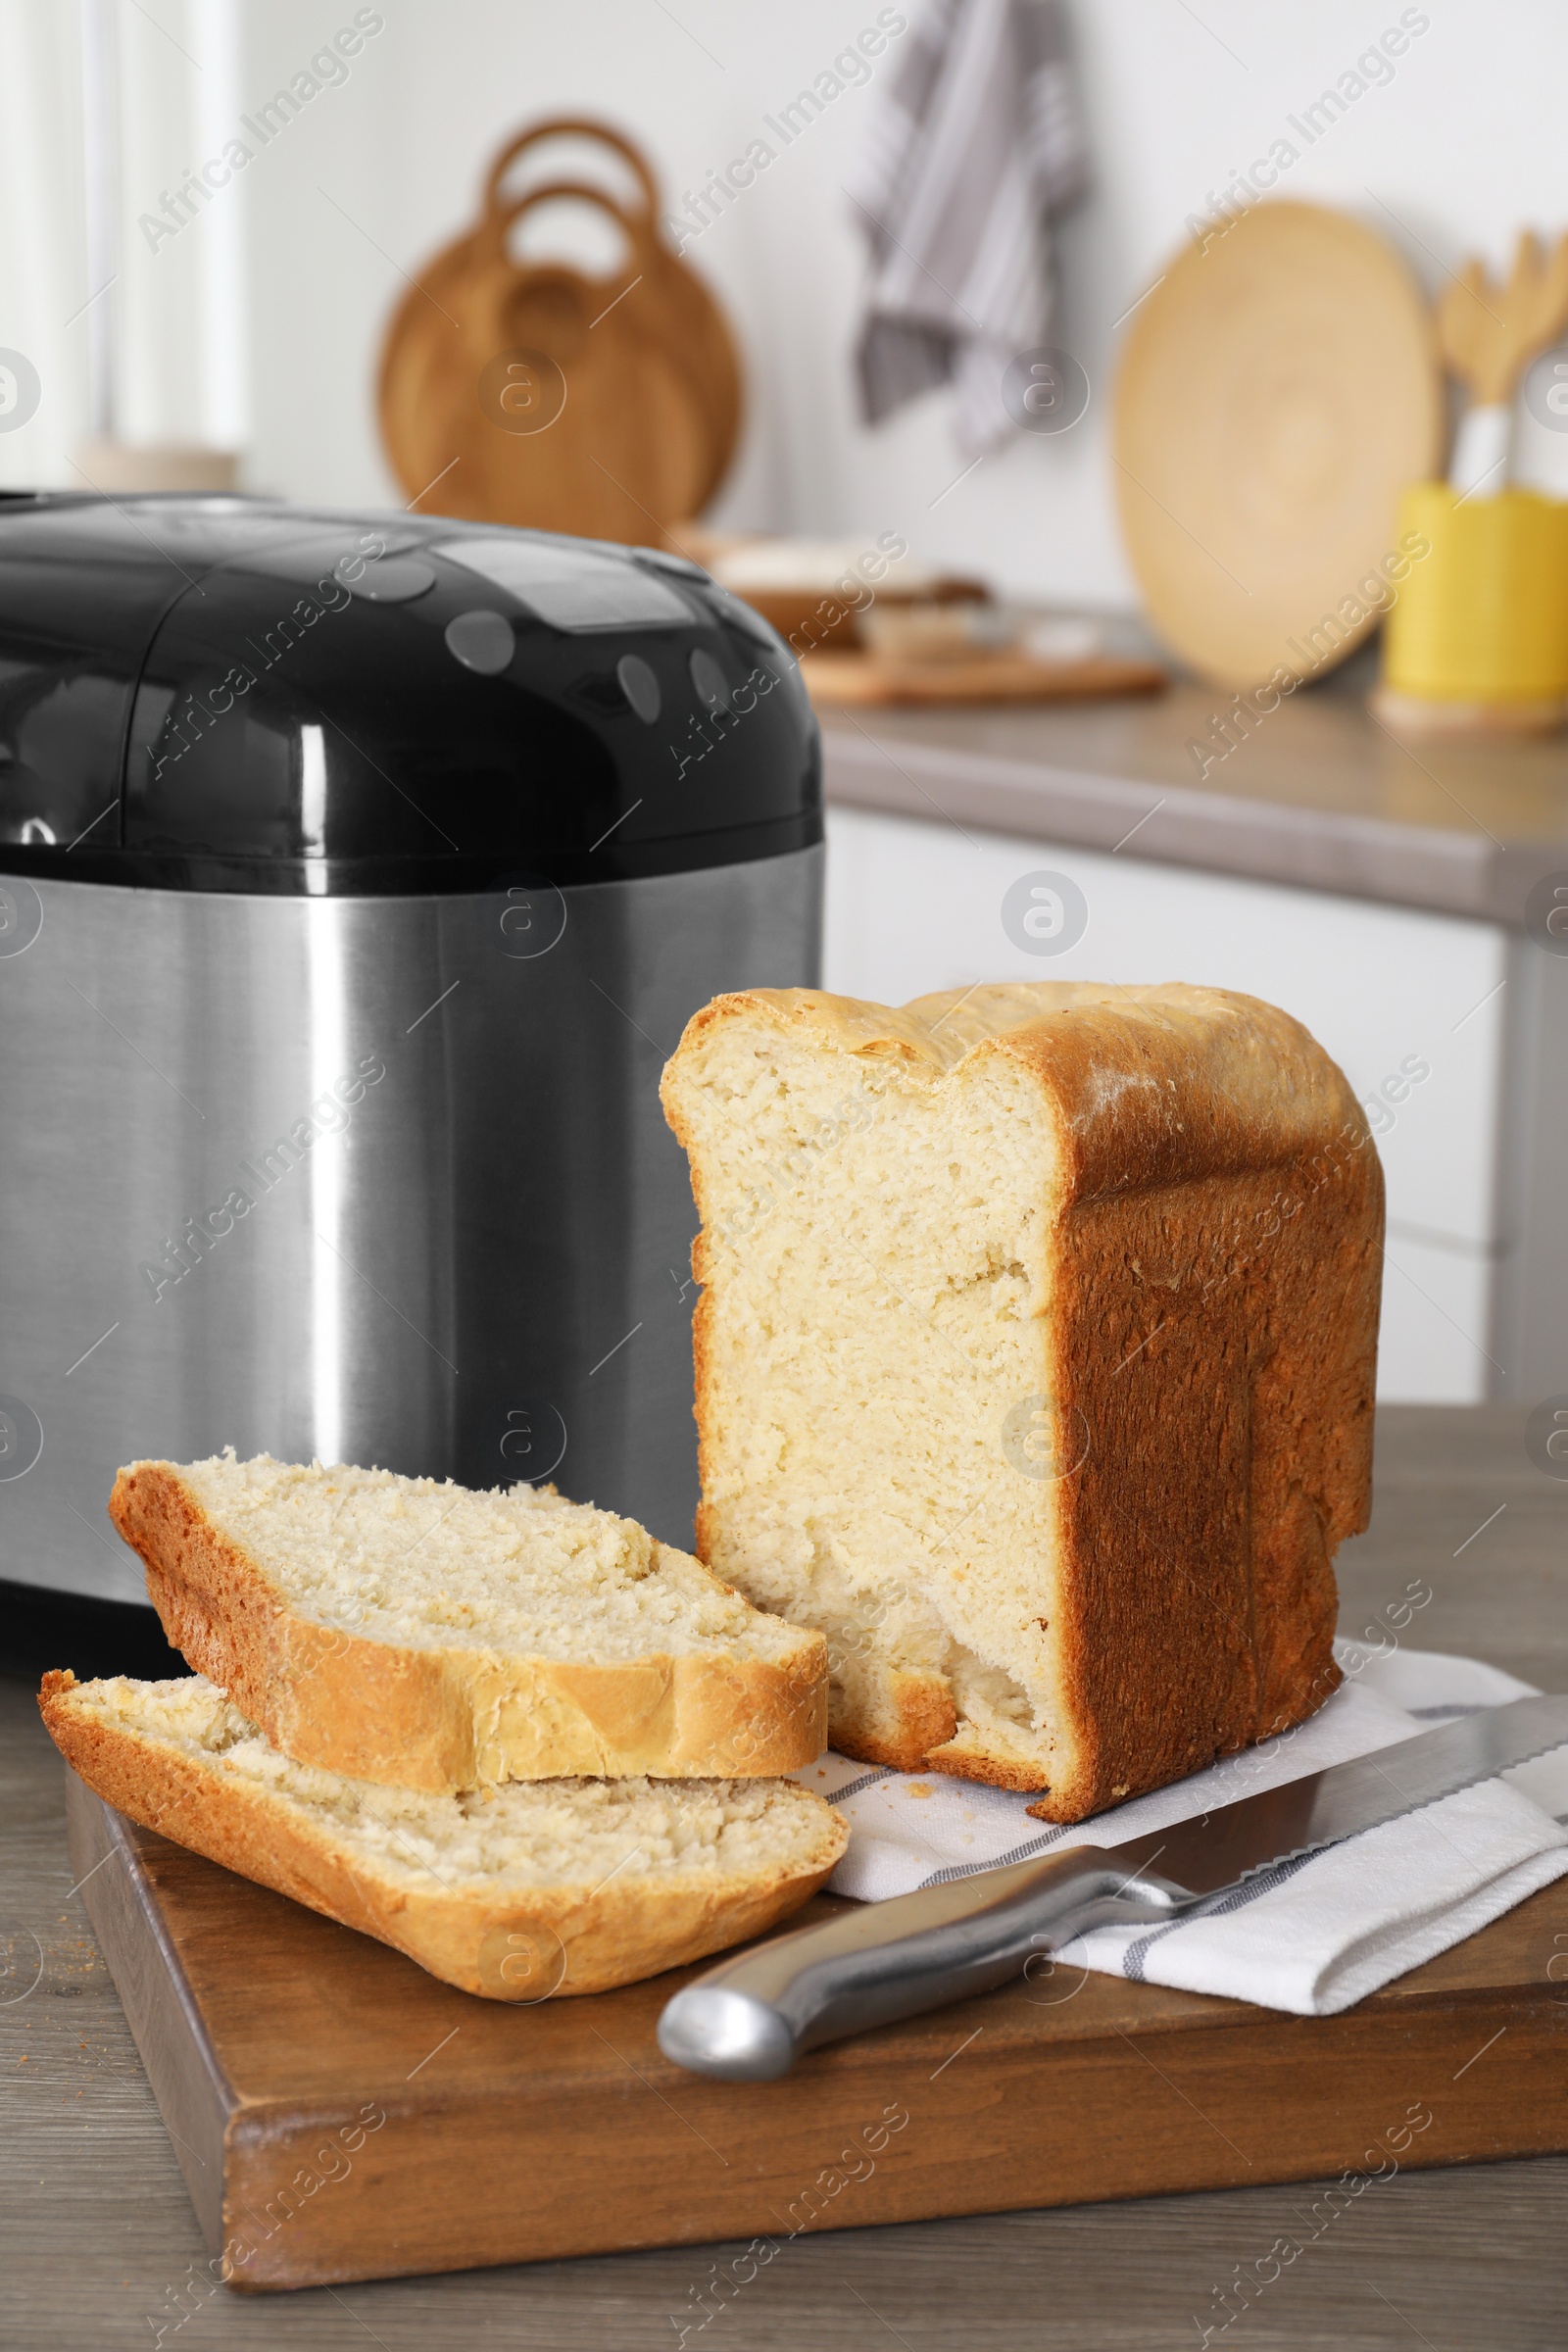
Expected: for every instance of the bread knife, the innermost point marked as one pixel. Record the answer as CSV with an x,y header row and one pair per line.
x,y
748,2019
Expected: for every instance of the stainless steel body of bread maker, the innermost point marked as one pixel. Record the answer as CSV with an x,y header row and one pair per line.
x,y
357,875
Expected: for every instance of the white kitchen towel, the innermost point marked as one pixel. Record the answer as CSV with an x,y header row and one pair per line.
x,y
978,142
1311,1937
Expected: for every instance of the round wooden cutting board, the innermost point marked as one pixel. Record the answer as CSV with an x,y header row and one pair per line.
x,y
1276,393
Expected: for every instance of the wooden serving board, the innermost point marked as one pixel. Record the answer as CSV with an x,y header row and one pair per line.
x,y
338,2114
834,680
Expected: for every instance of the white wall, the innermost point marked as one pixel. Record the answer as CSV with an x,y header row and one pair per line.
x,y
1462,147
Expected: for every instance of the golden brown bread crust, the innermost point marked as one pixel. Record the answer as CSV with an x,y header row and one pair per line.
x,y
502,1947
453,1718
1218,1270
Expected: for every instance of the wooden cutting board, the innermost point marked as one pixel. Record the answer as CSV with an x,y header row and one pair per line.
x,y
338,2114
835,679
1277,391
525,392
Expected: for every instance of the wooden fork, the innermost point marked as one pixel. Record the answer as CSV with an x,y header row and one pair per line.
x,y
1489,332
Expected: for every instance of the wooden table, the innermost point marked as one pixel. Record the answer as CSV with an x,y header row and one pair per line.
x,y
97,2233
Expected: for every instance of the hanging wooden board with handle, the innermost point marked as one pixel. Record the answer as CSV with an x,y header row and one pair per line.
x,y
338,2114
530,393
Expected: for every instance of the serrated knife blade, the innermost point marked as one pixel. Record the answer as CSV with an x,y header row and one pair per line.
x,y
1214,1851
749,2019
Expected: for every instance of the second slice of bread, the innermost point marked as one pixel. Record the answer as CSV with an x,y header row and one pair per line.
x,y
428,1636
559,1887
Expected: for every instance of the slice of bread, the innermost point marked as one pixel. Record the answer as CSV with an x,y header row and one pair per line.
x,y
521,1892
432,1637
1035,1364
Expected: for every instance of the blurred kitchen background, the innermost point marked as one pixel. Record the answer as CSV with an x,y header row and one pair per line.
x,y
1378,846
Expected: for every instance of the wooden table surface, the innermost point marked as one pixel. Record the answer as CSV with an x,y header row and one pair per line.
x,y
97,2233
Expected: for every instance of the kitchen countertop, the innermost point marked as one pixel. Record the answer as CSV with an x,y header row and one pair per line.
x,y
98,2232
1318,794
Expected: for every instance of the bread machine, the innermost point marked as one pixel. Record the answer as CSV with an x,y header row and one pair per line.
x,y
357,873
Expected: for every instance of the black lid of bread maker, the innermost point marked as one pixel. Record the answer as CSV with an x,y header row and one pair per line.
x,y
234,694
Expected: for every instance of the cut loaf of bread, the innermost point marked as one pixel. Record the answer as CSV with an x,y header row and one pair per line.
x,y
1035,1364
432,1637
544,1888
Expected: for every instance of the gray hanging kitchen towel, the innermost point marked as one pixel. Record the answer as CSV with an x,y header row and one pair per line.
x,y
977,144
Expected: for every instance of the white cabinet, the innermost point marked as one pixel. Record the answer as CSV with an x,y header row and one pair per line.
x,y
1408,1004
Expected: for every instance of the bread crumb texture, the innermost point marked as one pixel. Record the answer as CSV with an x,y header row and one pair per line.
x,y
1034,1364
557,1834
412,1633
622,1876
421,1563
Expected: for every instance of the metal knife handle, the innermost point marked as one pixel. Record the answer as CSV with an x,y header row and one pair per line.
x,y
749,2019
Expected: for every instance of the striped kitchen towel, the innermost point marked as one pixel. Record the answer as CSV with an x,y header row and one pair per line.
x,y
978,143
1313,1936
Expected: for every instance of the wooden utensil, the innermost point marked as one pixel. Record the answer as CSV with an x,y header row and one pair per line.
x,y
534,394
1489,330
1276,392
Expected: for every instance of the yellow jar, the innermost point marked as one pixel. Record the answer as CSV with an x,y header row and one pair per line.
x,y
1478,632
